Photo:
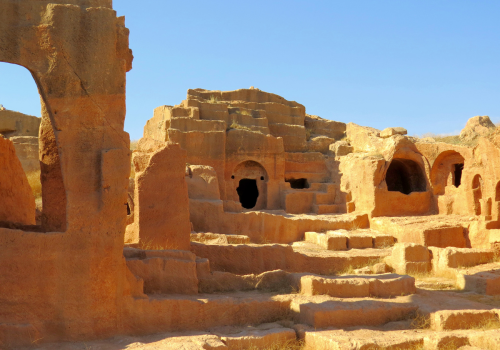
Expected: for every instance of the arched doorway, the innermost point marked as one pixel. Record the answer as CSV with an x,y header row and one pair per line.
x,y
35,144
405,176
249,179
447,171
248,193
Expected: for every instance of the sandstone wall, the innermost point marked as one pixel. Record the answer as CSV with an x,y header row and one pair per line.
x,y
18,124
23,130
16,198
27,152
72,284
161,207
225,129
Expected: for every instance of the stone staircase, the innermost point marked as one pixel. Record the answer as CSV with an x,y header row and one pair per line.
x,y
332,290
343,239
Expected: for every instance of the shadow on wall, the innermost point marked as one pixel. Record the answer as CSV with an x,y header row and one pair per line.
x,y
405,176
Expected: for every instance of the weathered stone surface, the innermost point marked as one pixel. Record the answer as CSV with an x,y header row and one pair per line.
x,y
341,148
202,182
161,213
70,282
27,152
410,258
388,132
18,124
477,126
166,272
16,198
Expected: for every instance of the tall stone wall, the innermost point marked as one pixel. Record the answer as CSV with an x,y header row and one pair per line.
x,y
70,284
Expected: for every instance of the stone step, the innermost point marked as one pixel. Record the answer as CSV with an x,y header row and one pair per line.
x,y
444,320
482,279
343,239
399,339
168,313
327,241
366,339
325,208
355,239
432,231
302,256
312,339
260,337
219,238
350,313
443,258
380,286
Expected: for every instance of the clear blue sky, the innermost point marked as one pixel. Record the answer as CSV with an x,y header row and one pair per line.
x,y
424,65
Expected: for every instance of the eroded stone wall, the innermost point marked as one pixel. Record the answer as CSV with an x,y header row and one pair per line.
x,y
70,284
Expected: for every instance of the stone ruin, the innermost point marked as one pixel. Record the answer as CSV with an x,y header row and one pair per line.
x,y
246,223
22,130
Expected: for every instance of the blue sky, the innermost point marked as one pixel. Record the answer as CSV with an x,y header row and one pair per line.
x,y
425,65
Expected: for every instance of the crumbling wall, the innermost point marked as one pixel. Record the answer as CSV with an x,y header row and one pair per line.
x,y
161,205
389,180
72,284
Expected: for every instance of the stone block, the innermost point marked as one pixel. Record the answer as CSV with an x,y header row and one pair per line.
x,y
342,314
341,148
388,132
327,241
335,287
410,258
462,319
391,287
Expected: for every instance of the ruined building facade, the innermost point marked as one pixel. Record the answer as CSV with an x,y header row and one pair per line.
x,y
241,211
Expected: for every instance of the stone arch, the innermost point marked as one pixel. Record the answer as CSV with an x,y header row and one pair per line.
x,y
477,193
447,171
77,53
405,176
53,215
250,183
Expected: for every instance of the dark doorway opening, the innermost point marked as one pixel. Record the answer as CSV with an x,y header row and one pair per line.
x,y
458,168
298,183
248,193
405,176
128,209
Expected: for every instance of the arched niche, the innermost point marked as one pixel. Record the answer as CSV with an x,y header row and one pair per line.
x,y
405,176
249,181
477,193
447,171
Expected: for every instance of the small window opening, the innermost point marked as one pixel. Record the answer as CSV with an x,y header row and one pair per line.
x,y
232,177
298,183
248,193
262,178
458,168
